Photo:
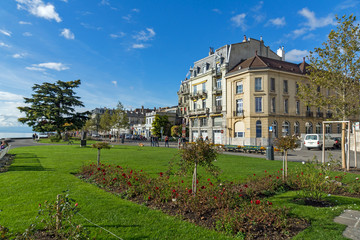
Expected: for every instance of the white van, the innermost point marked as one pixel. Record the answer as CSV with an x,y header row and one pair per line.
x,y
316,141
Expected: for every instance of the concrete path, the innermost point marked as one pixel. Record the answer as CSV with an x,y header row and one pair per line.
x,y
352,219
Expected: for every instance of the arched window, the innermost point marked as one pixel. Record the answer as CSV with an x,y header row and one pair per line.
x,y
308,127
258,128
328,128
297,128
275,129
285,128
318,128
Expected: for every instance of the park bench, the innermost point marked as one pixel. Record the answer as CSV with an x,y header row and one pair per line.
x,y
70,142
4,151
233,148
253,149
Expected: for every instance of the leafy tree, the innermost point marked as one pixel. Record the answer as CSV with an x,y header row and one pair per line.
x,y
336,67
105,121
286,143
119,118
176,131
200,153
52,108
161,121
93,123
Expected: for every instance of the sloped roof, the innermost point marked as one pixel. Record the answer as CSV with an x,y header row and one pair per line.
x,y
259,62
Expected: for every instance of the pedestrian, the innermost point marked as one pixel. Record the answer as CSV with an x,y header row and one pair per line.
x,y
33,137
166,141
179,142
152,140
157,141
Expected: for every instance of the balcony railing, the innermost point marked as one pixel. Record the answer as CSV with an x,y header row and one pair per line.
x,y
218,108
217,90
319,114
309,114
239,113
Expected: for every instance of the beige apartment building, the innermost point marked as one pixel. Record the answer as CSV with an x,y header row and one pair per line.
x,y
262,102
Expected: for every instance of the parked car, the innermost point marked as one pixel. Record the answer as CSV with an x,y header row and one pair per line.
x,y
337,142
316,141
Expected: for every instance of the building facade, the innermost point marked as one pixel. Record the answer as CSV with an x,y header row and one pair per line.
x,y
202,97
263,104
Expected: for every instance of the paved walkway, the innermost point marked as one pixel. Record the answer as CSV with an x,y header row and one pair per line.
x,y
352,219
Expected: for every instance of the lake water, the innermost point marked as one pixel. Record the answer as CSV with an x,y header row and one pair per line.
x,y
15,135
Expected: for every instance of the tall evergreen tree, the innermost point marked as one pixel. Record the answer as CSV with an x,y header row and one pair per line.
x,y
52,108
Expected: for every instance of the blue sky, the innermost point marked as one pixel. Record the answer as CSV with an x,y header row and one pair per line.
x,y
137,52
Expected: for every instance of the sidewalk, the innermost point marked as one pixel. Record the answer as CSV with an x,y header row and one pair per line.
x,y
352,219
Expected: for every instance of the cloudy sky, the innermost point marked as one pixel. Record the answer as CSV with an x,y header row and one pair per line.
x,y
137,52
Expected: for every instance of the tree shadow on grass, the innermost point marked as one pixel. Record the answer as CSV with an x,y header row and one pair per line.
x,y
29,168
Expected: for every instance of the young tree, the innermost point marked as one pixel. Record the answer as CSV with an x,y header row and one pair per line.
x,y
161,121
286,143
336,67
105,121
119,118
200,153
52,108
99,146
176,131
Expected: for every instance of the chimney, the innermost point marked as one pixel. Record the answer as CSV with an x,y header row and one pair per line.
x,y
281,53
244,38
211,51
261,39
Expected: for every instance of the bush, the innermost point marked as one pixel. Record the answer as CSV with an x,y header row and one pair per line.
x,y
55,139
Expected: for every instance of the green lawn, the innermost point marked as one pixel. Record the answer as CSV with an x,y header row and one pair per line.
x,y
40,173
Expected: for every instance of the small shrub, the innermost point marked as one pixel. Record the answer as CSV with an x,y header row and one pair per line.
x,y
55,138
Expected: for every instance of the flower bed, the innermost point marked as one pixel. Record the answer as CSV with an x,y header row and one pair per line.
x,y
236,209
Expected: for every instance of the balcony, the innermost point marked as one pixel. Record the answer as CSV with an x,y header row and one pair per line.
x,y
199,111
309,114
319,114
238,113
198,94
217,91
218,108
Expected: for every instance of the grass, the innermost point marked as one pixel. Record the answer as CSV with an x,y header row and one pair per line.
x,y
40,173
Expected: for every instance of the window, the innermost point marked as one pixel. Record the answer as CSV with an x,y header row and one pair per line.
x,y
338,128
318,128
273,105
258,104
203,122
204,103
318,89
308,127
297,107
285,86
239,87
258,128
272,84
328,128
217,121
195,89
258,86
195,105
296,88
218,101
275,129
286,106
239,134
195,122
204,87
239,106
297,128
218,83
286,128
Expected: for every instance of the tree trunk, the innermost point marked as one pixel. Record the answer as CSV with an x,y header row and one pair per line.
x,y
343,158
286,163
98,157
194,179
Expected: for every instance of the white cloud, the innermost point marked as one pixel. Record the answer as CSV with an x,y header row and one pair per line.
x,y
279,22
313,22
6,96
114,82
217,10
3,44
5,32
27,34
119,35
88,26
19,55
145,36
66,33
135,10
39,8
25,23
8,108
239,21
139,46
49,65
297,33
105,2
296,55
